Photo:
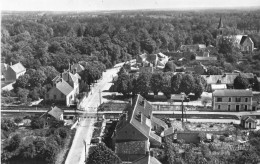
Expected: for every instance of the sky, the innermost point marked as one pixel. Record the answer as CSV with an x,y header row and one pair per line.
x,y
93,5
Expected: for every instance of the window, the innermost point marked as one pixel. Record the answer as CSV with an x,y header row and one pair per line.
x,y
54,97
218,106
238,99
228,107
246,99
229,99
219,99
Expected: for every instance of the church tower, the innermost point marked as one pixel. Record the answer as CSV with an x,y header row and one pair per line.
x,y
220,27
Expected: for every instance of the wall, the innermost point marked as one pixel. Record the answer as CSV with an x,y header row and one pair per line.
x,y
225,102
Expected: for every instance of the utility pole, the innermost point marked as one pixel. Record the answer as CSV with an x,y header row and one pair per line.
x,y
182,110
99,97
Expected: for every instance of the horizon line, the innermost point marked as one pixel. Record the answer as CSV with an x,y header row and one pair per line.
x,y
150,9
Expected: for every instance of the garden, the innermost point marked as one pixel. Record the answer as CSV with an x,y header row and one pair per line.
x,y
29,139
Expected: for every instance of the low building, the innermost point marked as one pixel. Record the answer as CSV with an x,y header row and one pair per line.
x,y
248,122
56,112
232,100
14,71
218,87
134,132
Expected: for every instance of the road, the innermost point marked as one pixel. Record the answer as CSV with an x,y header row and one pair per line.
x,y
77,154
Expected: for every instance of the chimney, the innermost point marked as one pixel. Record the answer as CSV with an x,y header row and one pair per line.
x,y
11,63
69,66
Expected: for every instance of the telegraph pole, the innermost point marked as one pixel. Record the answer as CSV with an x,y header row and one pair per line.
x,y
182,111
99,97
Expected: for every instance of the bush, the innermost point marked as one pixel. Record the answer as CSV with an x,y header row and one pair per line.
x,y
222,138
199,125
63,132
226,134
14,142
18,120
37,123
211,126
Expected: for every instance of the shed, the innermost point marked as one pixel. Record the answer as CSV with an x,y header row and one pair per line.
x,y
248,122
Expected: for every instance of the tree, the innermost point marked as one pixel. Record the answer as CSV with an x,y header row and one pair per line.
x,y
166,84
23,95
14,142
101,154
156,82
143,83
226,45
122,84
169,67
37,123
22,82
213,70
198,87
37,79
241,83
187,84
175,83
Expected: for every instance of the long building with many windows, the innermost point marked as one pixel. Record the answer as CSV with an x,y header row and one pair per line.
x,y
232,100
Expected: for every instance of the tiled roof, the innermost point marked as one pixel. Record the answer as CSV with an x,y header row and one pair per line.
x,y
64,87
223,79
18,67
56,112
233,92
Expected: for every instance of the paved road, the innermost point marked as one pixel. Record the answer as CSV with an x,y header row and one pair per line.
x,y
77,153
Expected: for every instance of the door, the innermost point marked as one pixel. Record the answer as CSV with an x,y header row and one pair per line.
x,y
237,108
245,107
250,125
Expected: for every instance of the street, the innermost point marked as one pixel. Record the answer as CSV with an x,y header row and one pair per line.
x,y
77,154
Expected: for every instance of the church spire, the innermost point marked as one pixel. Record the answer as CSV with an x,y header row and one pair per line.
x,y
220,25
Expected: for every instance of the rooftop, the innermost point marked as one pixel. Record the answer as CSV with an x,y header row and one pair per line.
x,y
18,67
233,93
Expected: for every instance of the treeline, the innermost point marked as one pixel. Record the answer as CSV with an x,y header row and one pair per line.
x,y
165,82
57,39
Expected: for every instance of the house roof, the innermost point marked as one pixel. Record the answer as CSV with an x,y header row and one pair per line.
x,y
64,87
147,160
233,93
205,58
224,79
138,115
18,67
56,112
248,118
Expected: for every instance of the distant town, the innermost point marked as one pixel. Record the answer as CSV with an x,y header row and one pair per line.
x,y
130,87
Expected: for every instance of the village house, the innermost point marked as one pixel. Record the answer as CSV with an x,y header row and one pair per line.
x,y
65,88
248,122
52,114
76,68
14,71
151,60
134,133
232,100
